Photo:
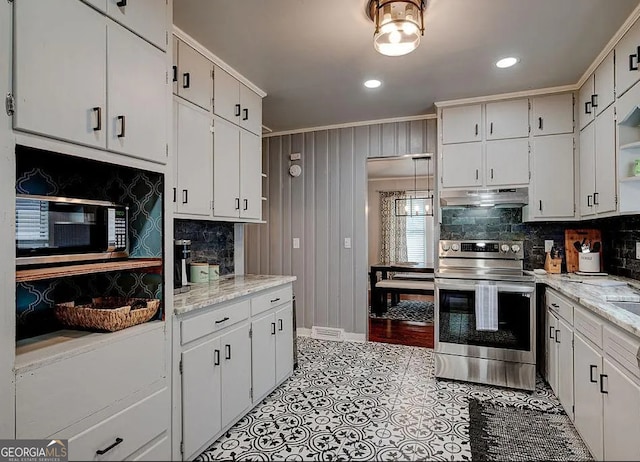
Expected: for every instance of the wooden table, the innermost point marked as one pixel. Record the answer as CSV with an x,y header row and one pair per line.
x,y
384,269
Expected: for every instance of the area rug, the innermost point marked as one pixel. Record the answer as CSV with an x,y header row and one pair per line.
x,y
499,432
408,310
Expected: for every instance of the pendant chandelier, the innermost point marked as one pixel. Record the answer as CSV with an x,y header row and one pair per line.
x,y
399,25
417,203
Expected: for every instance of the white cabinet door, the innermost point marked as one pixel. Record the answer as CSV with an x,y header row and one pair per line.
x,y
552,177
628,60
137,96
587,170
553,114
263,347
552,365
621,415
604,92
251,104
588,399
250,175
564,341
174,68
604,199
461,165
201,395
195,81
461,124
586,113
54,95
507,119
507,162
284,342
226,96
236,372
147,18
226,169
194,161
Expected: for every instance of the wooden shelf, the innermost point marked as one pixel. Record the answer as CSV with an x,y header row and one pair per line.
x,y
633,145
38,274
630,179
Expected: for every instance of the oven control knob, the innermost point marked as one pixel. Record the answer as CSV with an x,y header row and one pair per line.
x,y
504,248
455,247
515,248
445,246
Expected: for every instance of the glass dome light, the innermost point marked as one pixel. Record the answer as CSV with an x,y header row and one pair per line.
x,y
399,25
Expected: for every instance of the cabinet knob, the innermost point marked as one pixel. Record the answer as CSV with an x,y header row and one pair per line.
x,y
227,352
216,357
592,367
175,74
186,80
237,110
602,390
540,205
634,67
123,126
237,203
539,123
476,129
245,114
273,328
594,100
589,204
280,324
595,198
587,107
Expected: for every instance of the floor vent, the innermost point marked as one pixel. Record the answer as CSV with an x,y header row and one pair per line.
x,y
327,333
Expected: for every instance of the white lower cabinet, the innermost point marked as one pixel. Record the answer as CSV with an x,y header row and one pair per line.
x,y
236,373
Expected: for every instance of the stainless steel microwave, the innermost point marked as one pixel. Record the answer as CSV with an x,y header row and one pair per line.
x,y
61,229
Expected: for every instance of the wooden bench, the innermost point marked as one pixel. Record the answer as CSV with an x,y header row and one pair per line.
x,y
422,286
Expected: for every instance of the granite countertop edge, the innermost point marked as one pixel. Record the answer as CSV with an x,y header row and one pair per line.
x,y
226,289
599,299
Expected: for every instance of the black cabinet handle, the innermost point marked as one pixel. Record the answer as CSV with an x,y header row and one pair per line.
x,y
226,318
237,110
216,357
595,198
227,352
550,331
123,126
556,335
185,196
592,367
492,174
594,100
602,390
246,204
186,80
477,174
175,74
107,449
540,123
273,328
121,3
98,111
246,114
587,107
476,129
589,204
491,128
540,205
555,305
280,324
633,67
175,193
237,203
275,300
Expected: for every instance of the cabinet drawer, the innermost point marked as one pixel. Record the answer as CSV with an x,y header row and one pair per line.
x,y
213,321
59,394
135,426
589,326
558,304
271,299
623,348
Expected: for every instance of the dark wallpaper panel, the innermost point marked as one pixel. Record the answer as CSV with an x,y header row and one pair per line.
x,y
211,242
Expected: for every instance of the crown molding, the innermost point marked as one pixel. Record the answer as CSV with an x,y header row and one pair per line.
x,y
516,94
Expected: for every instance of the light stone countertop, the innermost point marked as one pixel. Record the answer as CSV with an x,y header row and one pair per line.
x,y
225,289
598,298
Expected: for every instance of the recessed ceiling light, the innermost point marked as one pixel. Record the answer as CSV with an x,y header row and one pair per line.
x,y
372,83
506,62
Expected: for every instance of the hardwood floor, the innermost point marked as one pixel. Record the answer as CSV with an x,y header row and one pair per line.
x,y
401,332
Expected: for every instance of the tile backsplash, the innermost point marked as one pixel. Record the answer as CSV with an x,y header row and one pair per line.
x,y
619,235
211,241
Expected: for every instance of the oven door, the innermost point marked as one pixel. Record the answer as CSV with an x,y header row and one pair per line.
x,y
455,318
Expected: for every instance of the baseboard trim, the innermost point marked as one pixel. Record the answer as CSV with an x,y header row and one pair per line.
x,y
303,332
348,336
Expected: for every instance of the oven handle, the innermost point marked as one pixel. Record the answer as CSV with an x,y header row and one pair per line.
x,y
470,285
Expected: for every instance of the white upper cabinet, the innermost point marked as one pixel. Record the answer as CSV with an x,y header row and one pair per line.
x,y
226,169
553,114
552,193
587,170
250,175
54,95
507,119
236,103
586,113
507,162
604,198
627,66
461,165
146,18
194,75
174,67
137,96
461,124
604,90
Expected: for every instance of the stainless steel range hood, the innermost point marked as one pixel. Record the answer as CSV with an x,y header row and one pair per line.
x,y
514,197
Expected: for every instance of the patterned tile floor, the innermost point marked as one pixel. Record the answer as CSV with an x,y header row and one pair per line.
x,y
364,401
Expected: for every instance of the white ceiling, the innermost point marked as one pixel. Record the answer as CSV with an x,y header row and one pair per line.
x,y
311,56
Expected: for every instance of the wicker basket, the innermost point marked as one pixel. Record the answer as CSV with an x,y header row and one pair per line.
x,y
107,313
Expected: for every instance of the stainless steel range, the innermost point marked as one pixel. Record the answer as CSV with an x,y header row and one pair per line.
x,y
485,314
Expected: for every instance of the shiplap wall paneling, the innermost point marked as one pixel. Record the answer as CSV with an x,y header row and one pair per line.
x,y
322,207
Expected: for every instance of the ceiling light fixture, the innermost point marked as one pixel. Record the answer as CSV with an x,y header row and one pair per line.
x,y
417,203
399,25
506,62
373,83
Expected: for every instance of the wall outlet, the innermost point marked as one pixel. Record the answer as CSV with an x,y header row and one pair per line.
x,y
347,242
548,245
296,242
637,250
295,156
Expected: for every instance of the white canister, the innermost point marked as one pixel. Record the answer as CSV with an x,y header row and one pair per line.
x,y
589,262
214,272
199,272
